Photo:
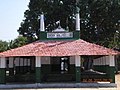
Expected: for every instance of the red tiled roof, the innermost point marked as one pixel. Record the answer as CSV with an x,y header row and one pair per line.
x,y
59,48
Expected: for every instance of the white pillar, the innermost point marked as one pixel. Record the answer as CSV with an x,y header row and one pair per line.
x,y
2,62
25,62
107,60
28,62
21,61
38,61
16,61
38,68
77,22
111,60
77,61
42,27
77,66
2,70
11,62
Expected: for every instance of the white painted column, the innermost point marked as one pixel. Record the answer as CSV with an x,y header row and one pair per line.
x,y
111,60
11,62
21,61
111,71
2,70
42,26
16,61
28,62
25,62
78,70
77,21
11,66
2,62
38,61
77,61
38,68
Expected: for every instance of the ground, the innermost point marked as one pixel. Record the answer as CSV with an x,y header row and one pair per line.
x,y
116,88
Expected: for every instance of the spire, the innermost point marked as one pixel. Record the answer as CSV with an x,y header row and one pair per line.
x,y
42,27
77,17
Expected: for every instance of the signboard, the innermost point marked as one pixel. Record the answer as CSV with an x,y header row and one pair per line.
x,y
60,35
96,80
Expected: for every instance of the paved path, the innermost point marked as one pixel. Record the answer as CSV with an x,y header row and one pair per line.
x,y
115,88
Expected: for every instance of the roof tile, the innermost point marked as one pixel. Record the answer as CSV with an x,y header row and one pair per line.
x,y
59,48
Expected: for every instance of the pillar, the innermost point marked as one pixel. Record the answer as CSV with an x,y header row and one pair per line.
x,y
11,69
17,65
42,26
25,65
77,66
21,65
29,69
2,70
111,70
38,69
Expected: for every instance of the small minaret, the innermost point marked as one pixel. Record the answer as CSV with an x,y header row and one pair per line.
x,y
77,17
42,26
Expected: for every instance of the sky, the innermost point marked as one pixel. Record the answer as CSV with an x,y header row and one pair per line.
x,y
11,15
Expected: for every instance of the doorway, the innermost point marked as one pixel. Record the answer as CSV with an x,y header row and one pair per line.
x,y
60,70
60,64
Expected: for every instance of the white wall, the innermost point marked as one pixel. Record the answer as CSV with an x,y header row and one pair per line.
x,y
105,60
38,61
2,62
45,60
72,59
78,61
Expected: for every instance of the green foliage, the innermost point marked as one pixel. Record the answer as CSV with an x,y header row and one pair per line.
x,y
18,42
115,42
53,10
3,45
99,19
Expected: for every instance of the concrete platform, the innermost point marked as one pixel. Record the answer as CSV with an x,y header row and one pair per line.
x,y
58,85
81,86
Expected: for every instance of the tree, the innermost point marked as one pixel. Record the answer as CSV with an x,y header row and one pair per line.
x,y
3,46
53,10
18,42
99,18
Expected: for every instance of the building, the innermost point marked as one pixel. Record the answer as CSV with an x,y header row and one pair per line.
x,y
59,56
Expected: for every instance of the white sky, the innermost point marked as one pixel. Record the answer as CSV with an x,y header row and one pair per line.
x,y
11,15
